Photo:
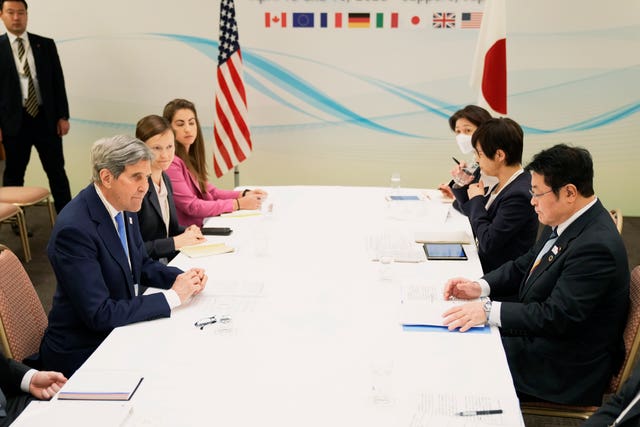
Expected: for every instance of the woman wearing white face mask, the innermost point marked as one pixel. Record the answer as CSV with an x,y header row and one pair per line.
x,y
464,123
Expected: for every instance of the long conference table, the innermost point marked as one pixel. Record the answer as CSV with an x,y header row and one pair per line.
x,y
313,336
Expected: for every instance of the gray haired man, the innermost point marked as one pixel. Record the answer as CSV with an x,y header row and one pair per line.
x,y
100,262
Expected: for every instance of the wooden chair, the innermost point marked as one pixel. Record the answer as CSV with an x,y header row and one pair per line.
x,y
616,215
22,318
12,214
29,196
631,343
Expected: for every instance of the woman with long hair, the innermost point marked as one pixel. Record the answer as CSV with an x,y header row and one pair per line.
x,y
194,196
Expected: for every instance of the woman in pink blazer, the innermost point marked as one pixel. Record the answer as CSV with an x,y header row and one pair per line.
x,y
195,198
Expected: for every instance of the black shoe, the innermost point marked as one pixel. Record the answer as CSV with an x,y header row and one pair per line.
x,y
16,230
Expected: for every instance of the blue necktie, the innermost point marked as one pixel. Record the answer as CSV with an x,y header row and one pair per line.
x,y
122,233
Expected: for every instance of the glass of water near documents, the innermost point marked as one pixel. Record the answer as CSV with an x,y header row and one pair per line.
x,y
395,183
381,381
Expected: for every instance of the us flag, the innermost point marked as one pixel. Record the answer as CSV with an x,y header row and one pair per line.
x,y
470,19
230,128
444,20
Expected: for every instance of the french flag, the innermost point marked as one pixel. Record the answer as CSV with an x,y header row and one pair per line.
x,y
489,72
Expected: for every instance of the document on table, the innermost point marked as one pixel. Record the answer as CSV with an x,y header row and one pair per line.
x,y
67,413
241,214
206,249
425,304
101,385
441,409
443,236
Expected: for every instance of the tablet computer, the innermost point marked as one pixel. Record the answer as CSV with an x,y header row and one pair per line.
x,y
445,251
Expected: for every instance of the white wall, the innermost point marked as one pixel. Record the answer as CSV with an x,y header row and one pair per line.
x,y
573,77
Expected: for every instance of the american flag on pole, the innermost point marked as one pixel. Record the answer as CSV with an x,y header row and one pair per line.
x,y
230,128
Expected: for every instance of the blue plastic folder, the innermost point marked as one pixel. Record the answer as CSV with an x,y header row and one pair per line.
x,y
404,198
435,328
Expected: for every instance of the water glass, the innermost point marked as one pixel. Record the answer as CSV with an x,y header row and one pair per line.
x,y
395,183
465,176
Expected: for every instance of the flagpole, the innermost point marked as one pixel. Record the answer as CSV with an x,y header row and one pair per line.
x,y
236,177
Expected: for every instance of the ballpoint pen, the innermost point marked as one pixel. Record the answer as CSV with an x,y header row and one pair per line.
x,y
483,412
456,160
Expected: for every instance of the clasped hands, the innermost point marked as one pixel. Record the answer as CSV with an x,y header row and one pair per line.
x,y
190,283
467,315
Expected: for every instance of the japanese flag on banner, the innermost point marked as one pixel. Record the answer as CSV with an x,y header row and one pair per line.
x,y
230,127
489,72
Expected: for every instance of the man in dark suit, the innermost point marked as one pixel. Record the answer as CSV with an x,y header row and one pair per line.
x,y
622,409
100,262
34,111
19,385
563,333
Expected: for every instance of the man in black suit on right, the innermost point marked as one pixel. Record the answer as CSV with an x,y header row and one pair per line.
x,y
34,111
562,331
622,409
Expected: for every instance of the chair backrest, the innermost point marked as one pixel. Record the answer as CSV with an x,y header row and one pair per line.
x,y
22,318
631,335
616,215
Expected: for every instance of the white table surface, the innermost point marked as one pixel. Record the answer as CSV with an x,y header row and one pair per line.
x,y
314,320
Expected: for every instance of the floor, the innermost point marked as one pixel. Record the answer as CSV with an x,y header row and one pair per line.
x,y
41,274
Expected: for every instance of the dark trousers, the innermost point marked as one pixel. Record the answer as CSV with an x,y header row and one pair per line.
x,y
34,133
15,406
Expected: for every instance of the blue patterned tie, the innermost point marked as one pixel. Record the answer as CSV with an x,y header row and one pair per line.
x,y
122,233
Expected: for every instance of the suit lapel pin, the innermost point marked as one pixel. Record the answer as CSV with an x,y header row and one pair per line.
x,y
550,258
130,221
555,250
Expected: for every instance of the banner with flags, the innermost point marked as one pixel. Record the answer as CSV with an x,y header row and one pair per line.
x,y
232,139
489,72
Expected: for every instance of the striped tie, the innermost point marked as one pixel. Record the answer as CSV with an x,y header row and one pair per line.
x,y
550,241
32,100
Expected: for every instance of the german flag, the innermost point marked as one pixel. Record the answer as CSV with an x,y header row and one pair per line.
x,y
359,20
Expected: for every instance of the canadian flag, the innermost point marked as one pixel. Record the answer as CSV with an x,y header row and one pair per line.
x,y
489,72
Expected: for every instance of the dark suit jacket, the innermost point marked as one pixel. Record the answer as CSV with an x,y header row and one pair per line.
x,y
50,80
508,228
95,291
11,373
563,336
610,411
152,227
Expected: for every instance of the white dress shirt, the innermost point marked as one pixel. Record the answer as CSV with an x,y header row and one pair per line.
x,y
28,57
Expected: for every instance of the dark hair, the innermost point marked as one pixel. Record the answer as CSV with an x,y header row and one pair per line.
x,y
2,2
195,158
150,126
473,113
561,165
500,134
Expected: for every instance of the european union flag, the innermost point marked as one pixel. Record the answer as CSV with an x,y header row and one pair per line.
x,y
303,20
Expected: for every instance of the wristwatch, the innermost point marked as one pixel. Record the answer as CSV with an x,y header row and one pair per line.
x,y
487,308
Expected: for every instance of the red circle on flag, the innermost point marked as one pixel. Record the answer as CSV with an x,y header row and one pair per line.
x,y
415,20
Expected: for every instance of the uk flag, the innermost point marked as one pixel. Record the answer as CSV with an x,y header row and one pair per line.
x,y
444,20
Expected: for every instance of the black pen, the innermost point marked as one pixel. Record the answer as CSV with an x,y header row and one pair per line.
x,y
456,160
484,412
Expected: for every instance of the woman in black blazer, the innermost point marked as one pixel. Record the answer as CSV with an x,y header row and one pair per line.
x,y
159,227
